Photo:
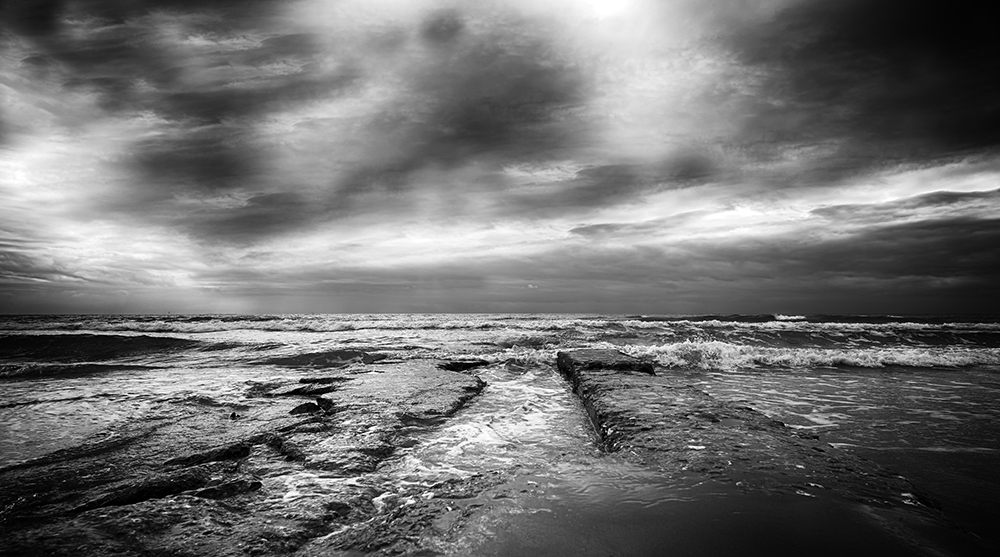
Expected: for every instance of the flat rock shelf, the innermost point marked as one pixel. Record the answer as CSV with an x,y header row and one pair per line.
x,y
660,420
324,460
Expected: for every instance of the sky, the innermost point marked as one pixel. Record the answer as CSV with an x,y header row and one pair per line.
x,y
630,156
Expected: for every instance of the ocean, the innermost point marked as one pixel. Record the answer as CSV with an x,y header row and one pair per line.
x,y
918,395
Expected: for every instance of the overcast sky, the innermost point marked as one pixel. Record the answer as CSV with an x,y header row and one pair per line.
x,y
631,156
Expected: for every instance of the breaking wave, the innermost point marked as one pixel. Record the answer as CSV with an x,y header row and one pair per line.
x,y
38,345
717,355
485,322
85,347
780,317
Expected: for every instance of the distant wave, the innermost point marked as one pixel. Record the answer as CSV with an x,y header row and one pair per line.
x,y
793,323
717,355
276,323
193,324
867,319
84,347
706,342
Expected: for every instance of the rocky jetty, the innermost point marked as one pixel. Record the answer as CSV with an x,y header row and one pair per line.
x,y
664,422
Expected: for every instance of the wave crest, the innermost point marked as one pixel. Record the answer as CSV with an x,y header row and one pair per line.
x,y
724,356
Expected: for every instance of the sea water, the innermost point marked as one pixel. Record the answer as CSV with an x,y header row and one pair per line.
x,y
918,395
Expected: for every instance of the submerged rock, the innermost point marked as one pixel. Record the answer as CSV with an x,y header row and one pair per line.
x,y
601,360
308,389
326,405
305,408
229,452
228,489
462,365
324,380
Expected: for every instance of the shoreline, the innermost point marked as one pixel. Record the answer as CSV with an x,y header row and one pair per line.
x,y
304,466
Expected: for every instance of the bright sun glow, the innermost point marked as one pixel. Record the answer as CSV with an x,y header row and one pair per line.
x,y
609,8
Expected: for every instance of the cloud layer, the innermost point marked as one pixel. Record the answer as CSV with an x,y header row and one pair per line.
x,y
434,155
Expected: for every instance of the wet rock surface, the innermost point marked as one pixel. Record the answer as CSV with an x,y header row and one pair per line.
x,y
463,365
191,482
289,470
662,421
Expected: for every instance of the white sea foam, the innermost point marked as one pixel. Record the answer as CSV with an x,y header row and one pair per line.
x,y
719,355
780,317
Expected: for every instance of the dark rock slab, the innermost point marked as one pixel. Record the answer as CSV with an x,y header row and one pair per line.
x,y
228,489
373,410
156,487
324,380
326,405
228,452
180,525
408,523
197,482
305,408
462,365
285,447
663,421
601,361
308,389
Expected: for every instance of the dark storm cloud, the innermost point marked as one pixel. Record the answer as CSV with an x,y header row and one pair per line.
x,y
209,153
119,62
895,80
45,18
961,248
208,94
33,17
262,215
442,27
942,265
926,256
20,267
612,184
498,94
483,87
502,89
209,158
214,105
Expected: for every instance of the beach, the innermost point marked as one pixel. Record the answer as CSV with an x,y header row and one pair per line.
x,y
499,434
